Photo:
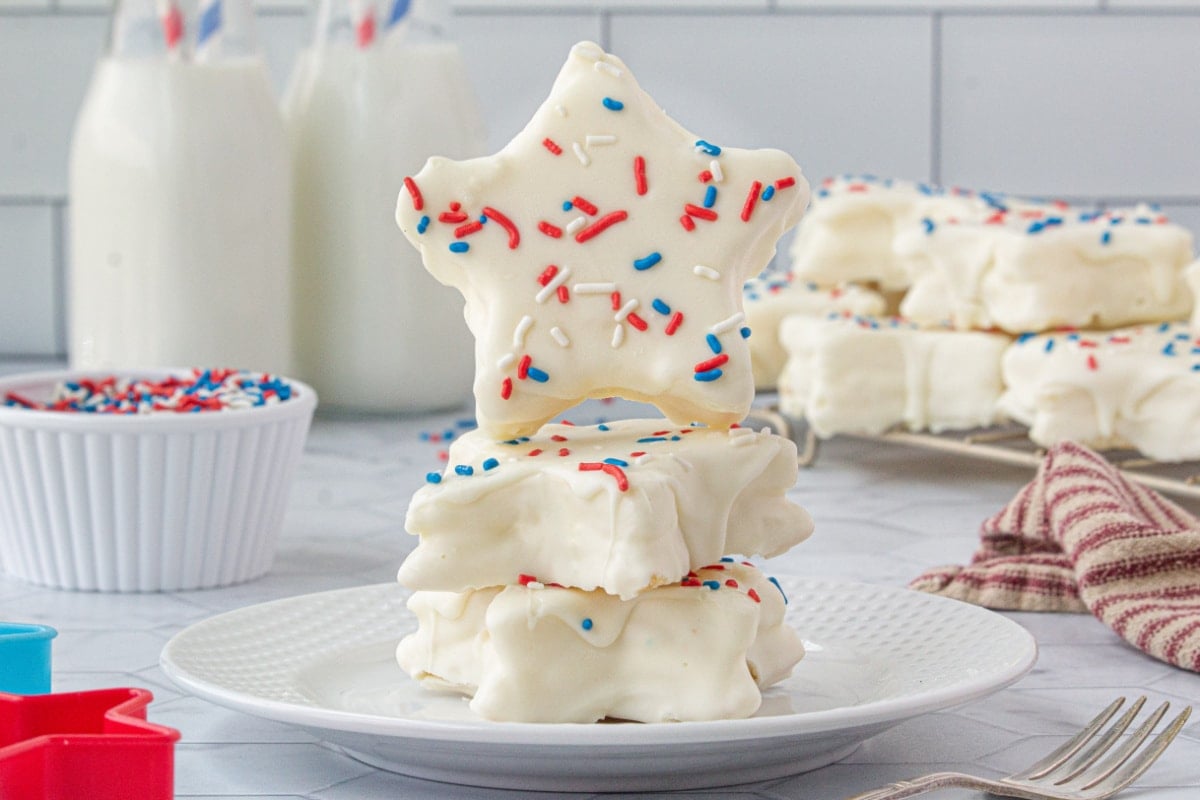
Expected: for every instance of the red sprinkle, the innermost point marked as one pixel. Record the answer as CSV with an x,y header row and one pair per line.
x,y
639,175
687,223
523,366
584,206
609,469
1091,362
752,199
673,323
700,211
637,453
564,294
636,321
537,451
417,201
564,452
473,226
558,438
753,595
506,389
712,363
550,145
452,217
553,231
547,274
784,183
525,580
705,176
731,583
616,301
514,236
600,225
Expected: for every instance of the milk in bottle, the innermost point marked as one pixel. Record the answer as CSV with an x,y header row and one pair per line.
x,y
179,198
366,106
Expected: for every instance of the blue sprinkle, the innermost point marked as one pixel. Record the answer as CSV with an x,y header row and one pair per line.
x,y
676,438
483,219
652,439
726,560
399,9
523,440
709,375
929,226
536,374
1183,337
661,307
449,434
616,462
771,578
744,331
459,247
586,624
647,262
708,147
422,224
1025,337
464,469
768,193
714,585
467,424
1169,350
1037,226
710,196
714,343
1072,337
491,463
433,477
1164,327
1195,367
822,193
612,105
511,441
602,427
1049,345
568,205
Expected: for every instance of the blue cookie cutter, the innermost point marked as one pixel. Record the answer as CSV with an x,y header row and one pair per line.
x,y
25,658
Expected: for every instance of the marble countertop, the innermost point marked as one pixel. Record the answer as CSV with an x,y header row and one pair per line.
x,y
884,512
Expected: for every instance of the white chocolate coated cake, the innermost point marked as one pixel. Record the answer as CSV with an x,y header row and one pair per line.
x,y
700,649
1136,387
851,374
1035,268
622,507
602,252
770,298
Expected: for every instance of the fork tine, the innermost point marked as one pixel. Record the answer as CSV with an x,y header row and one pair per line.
x,y
1123,753
1089,755
1070,748
1134,769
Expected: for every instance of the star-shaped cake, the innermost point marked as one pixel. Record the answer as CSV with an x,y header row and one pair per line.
x,y
602,252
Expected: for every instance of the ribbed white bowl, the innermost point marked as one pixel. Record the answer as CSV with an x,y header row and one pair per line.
x,y
145,503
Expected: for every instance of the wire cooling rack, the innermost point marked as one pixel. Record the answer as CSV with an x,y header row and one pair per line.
x,y
1006,444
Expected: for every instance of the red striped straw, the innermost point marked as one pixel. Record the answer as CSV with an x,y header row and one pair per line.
x,y
364,23
171,19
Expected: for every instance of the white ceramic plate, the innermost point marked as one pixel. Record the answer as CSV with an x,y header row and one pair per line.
x,y
876,656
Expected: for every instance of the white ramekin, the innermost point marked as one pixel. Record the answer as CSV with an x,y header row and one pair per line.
x,y
144,503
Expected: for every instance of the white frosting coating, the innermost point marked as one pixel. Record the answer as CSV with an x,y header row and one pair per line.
x,y
675,499
607,223
866,375
849,232
1037,267
1136,387
1192,276
702,649
769,299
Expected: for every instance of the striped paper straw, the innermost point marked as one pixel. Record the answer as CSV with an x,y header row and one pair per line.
x,y
364,22
208,27
399,11
171,19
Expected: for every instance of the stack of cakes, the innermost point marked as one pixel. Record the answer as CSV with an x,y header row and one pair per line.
x,y
974,270
573,573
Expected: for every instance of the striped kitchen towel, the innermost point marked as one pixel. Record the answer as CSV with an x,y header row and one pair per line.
x,y
1082,537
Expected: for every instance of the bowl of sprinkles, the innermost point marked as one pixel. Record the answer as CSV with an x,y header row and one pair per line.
x,y
154,480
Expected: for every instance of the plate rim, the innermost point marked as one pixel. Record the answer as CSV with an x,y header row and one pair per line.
x,y
617,737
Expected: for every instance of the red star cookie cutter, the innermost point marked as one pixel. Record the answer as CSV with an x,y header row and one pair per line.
x,y
95,745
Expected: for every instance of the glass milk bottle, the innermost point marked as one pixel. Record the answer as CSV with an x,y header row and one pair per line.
x,y
367,104
180,198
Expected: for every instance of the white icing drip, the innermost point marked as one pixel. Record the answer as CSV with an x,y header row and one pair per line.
x,y
706,272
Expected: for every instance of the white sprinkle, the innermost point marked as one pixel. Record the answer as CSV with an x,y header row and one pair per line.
x,y
552,287
582,156
626,310
706,272
738,441
715,168
575,224
522,328
604,66
506,361
726,325
595,288
638,461
562,111
557,334
618,336
535,585
597,139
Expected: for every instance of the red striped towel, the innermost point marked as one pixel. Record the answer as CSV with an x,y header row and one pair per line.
x,y
1082,537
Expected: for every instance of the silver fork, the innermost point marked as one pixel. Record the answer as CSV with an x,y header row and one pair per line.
x,y
1082,769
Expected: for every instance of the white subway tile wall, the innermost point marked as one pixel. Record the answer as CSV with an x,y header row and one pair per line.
x,y
1090,100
